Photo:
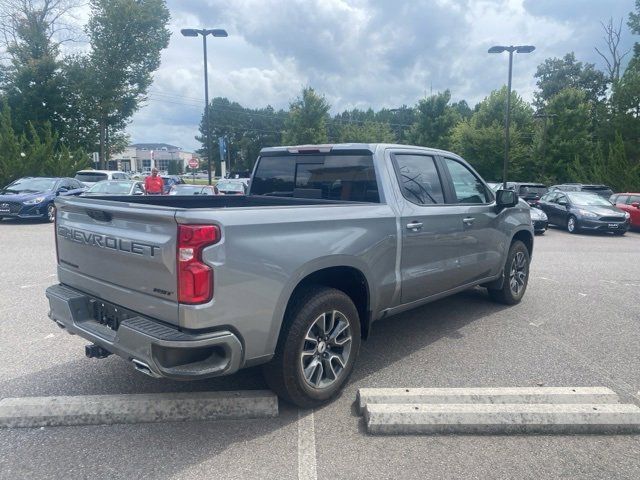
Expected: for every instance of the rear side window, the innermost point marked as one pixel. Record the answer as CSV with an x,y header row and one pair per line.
x,y
467,186
328,177
419,179
634,199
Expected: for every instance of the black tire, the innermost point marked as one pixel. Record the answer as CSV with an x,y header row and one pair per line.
x,y
572,224
50,214
507,294
284,374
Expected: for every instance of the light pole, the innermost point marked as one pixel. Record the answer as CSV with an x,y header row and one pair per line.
x,y
216,32
507,120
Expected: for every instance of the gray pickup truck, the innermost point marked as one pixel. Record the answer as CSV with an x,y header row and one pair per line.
x,y
328,240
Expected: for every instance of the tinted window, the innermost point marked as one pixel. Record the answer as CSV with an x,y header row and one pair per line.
x,y
91,176
468,187
419,179
329,177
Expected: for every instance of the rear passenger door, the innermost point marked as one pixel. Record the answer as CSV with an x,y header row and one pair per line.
x,y
430,228
481,243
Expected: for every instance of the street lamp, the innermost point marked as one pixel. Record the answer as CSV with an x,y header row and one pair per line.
x,y
510,49
216,32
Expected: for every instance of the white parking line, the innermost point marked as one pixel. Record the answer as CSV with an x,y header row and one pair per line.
x,y
306,446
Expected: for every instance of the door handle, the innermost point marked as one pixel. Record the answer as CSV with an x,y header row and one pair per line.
x,y
415,226
468,221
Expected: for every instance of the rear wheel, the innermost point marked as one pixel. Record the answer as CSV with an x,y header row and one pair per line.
x,y
516,276
317,348
572,225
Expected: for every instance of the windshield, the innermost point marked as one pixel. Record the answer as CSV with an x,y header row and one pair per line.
x,y
91,177
587,199
32,185
116,188
230,186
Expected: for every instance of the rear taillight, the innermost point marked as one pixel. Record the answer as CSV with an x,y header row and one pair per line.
x,y
195,278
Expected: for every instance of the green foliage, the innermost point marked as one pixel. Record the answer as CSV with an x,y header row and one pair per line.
x,y
126,38
307,120
368,132
569,144
556,74
480,139
34,153
435,121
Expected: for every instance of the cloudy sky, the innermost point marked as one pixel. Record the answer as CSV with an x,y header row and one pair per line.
x,y
359,53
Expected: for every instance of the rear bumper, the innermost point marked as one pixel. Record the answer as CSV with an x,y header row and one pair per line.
x,y
165,351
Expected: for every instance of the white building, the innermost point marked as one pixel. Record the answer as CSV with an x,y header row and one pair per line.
x,y
142,157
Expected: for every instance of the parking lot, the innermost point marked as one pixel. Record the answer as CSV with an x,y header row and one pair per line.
x,y
578,325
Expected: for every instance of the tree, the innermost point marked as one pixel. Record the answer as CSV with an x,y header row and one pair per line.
x,y
435,119
126,38
307,120
556,74
613,58
367,132
480,139
621,175
32,80
569,144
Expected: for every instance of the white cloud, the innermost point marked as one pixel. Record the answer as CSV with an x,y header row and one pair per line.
x,y
359,53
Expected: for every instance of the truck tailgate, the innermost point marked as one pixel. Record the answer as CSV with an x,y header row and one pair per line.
x,y
118,251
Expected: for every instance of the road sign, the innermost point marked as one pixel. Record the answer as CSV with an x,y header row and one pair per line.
x,y
193,163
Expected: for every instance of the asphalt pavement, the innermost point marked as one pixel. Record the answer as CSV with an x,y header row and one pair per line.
x,y
578,325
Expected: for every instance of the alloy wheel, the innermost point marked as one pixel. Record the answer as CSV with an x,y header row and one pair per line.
x,y
326,349
571,224
518,273
51,212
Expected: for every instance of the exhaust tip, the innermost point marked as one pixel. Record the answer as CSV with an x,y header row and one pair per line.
x,y
143,368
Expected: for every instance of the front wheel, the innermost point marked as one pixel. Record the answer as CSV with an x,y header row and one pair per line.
x,y
317,348
572,225
516,276
50,216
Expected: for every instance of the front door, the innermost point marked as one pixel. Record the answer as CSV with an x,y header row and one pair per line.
x,y
482,243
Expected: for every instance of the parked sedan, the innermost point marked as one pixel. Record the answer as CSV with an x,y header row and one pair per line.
x,y
32,197
186,189
169,181
584,211
227,187
630,203
116,187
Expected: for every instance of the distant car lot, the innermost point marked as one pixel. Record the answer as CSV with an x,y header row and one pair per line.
x,y
577,326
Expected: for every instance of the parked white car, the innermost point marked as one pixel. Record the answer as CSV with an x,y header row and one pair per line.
x,y
91,177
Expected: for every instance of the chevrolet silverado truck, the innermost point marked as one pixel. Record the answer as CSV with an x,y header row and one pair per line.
x,y
328,240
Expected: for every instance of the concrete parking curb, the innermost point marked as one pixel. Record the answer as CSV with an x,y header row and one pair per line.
x,y
552,395
502,419
138,408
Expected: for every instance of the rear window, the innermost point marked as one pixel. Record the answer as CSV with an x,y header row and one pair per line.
x,y
328,177
531,190
91,176
600,190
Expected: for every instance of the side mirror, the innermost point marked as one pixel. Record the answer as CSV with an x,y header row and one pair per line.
x,y
506,198
562,202
636,204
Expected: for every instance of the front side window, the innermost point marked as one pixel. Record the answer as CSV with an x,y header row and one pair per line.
x,y
467,186
419,179
621,199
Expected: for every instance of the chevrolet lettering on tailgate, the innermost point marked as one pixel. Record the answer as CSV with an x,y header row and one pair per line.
x,y
106,241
